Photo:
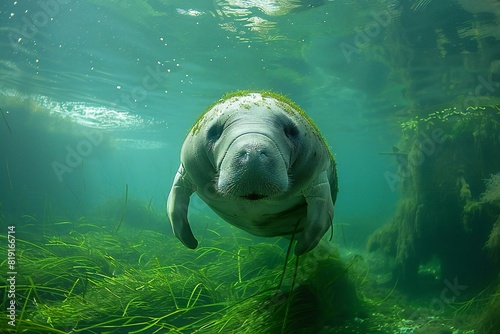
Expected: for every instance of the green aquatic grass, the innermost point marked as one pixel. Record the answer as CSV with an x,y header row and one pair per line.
x,y
84,277
124,209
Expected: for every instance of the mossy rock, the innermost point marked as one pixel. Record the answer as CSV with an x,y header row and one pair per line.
x,y
449,155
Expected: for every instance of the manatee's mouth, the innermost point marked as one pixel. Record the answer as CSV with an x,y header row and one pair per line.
x,y
254,196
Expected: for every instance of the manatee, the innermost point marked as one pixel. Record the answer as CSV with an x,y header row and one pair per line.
x,y
262,165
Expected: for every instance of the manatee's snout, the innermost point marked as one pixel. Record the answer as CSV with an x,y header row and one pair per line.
x,y
253,156
253,168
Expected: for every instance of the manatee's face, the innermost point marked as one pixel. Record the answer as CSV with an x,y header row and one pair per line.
x,y
252,148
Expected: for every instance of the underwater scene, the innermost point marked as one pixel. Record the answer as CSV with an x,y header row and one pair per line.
x,y
250,166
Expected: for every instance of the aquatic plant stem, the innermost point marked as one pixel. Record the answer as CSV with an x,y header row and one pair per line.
x,y
72,288
5,120
189,305
8,173
239,266
24,308
33,287
168,284
84,187
127,306
294,276
288,255
124,208
283,327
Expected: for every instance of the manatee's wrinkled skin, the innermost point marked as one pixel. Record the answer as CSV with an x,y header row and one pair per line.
x,y
262,166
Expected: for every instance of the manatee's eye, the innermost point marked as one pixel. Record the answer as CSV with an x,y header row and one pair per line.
x,y
214,133
292,132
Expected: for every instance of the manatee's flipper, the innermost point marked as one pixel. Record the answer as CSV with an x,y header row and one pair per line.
x,y
319,214
177,208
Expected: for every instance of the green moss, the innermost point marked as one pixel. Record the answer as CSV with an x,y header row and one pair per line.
x,y
492,191
287,105
384,240
454,119
489,321
199,121
444,196
493,243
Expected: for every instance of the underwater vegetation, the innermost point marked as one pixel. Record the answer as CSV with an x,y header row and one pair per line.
x,y
103,273
491,199
489,321
448,174
89,277
125,212
449,211
492,192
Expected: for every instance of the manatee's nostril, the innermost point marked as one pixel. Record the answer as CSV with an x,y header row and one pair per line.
x,y
244,155
250,152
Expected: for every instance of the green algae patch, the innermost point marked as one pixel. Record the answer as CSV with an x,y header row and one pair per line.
x,y
286,104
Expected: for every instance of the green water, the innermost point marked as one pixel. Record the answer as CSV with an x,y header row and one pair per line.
x,y
97,97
